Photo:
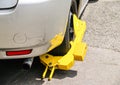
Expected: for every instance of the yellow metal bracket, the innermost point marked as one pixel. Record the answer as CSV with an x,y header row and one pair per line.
x,y
77,51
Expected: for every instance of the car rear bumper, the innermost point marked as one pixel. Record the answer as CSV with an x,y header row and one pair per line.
x,y
33,22
32,25
36,51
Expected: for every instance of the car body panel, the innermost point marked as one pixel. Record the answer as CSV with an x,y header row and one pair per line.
x,y
32,24
29,26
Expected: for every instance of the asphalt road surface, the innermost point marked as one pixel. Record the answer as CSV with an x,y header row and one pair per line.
x,y
101,65
103,22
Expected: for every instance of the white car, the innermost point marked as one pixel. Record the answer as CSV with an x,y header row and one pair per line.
x,y
30,28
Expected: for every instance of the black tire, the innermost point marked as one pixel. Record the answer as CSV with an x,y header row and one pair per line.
x,y
74,7
93,0
69,34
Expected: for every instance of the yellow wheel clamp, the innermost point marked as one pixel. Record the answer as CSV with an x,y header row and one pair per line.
x,y
77,51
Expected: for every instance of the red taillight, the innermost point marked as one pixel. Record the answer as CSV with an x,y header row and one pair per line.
x,y
19,52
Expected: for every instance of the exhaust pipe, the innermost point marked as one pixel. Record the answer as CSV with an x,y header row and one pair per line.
x,y
27,63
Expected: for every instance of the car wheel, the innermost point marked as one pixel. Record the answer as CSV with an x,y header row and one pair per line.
x,y
93,0
69,34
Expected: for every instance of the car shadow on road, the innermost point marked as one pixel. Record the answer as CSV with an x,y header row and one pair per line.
x,y
60,74
12,73
93,1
